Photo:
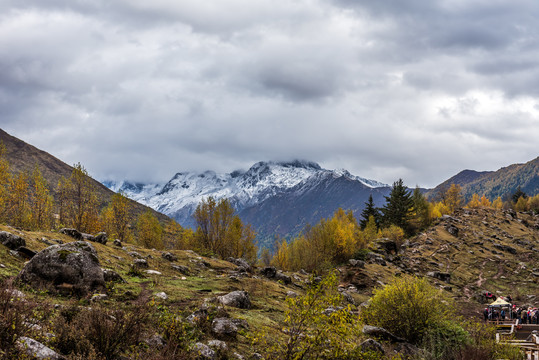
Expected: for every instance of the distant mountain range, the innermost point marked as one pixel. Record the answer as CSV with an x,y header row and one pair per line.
x,y
275,197
492,184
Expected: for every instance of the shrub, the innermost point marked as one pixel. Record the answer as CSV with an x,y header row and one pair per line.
x,y
408,308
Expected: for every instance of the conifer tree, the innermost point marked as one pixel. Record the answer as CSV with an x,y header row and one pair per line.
x,y
369,210
518,194
398,208
421,217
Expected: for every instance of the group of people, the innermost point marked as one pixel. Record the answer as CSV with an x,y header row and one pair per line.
x,y
524,315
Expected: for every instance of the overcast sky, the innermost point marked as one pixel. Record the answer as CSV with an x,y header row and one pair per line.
x,y
387,89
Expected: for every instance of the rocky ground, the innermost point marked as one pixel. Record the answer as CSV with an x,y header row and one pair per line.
x,y
466,255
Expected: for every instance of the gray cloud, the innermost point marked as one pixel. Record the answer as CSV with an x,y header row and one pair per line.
x,y
387,89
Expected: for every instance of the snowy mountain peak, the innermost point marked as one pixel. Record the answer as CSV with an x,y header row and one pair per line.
x,y
180,195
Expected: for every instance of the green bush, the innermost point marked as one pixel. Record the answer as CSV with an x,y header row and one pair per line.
x,y
408,308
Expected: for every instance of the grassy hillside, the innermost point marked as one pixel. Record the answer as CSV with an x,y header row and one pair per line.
x,y
23,157
463,255
492,184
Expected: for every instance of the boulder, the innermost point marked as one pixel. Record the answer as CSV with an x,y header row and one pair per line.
x,y
161,295
238,299
112,276
279,276
198,316
101,238
204,351
357,263
506,248
74,233
36,350
347,297
443,276
268,271
169,256
371,345
117,243
218,345
243,265
380,333
11,241
141,263
453,230
26,253
388,246
227,328
74,266
156,341
181,269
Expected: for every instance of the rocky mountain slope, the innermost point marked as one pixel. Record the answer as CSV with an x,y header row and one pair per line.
x,y
466,255
23,157
275,197
492,184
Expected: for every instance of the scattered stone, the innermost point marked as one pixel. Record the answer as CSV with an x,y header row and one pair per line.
x,y
446,277
169,256
161,295
156,341
11,241
279,276
380,333
74,233
141,263
506,248
2,266
117,243
371,345
72,266
197,316
292,294
46,241
135,254
347,297
357,263
224,328
37,350
243,265
452,229
112,276
181,269
152,272
204,351
218,345
268,271
88,237
101,238
238,299
386,245
98,297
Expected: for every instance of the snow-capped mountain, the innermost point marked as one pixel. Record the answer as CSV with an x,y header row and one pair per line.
x,y
282,183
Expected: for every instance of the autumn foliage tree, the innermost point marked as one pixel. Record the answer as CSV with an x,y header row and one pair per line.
x,y
117,217
41,201
18,205
221,231
149,231
78,204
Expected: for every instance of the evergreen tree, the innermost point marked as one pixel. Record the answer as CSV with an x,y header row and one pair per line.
x,y
518,194
421,209
370,210
398,208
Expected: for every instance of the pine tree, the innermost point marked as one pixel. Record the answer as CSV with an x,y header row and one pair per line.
x,y
421,217
398,208
369,210
518,194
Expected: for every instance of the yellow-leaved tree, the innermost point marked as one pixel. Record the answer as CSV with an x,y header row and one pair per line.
x,y
40,201
149,231
452,198
116,217
5,178
18,205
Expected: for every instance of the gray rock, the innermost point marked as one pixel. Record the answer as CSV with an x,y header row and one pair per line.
x,y
25,252
224,328
11,241
141,263
98,297
446,277
357,263
112,276
347,297
452,229
74,266
371,345
169,256
74,233
381,333
117,243
198,316
152,272
243,265
161,295
181,269
292,294
218,345
279,276
101,238
238,299
156,341
268,271
37,350
204,351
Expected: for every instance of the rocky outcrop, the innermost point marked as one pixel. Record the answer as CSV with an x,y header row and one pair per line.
x,y
101,238
72,266
11,241
169,256
380,333
242,264
74,233
36,350
112,276
371,345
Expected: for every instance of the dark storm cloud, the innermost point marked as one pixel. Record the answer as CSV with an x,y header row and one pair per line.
x,y
142,89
